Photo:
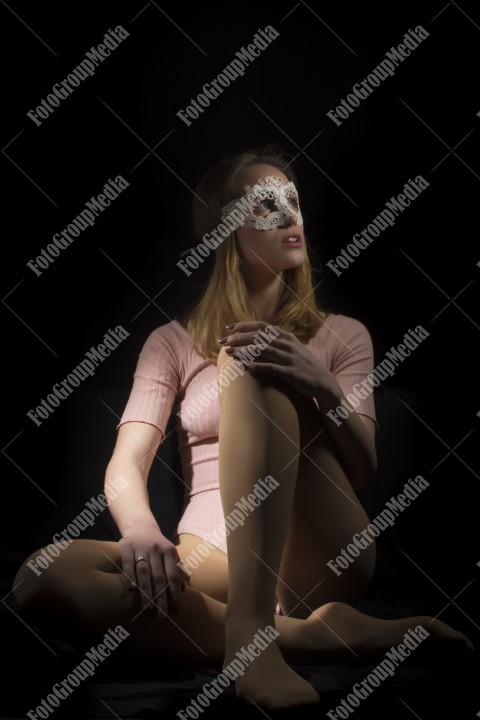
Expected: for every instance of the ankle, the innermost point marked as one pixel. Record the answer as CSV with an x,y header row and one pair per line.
x,y
241,623
251,640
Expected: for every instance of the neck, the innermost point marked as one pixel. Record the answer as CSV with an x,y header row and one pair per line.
x,y
264,293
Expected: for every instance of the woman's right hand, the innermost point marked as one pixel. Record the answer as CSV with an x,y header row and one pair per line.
x,y
160,580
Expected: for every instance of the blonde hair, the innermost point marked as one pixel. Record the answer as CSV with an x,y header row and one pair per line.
x,y
225,299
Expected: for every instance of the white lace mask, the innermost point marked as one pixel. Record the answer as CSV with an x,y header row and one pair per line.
x,y
274,202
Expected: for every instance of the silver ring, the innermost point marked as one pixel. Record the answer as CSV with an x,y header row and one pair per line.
x,y
142,557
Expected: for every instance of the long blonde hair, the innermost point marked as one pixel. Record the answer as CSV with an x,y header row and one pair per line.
x,y
225,298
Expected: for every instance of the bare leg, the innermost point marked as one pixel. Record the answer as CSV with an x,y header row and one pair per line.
x,y
260,434
84,593
326,515
211,575
259,437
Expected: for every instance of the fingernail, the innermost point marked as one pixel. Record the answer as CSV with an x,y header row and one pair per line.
x,y
229,327
230,351
222,341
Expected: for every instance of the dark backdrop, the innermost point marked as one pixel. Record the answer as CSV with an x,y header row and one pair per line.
x,y
122,121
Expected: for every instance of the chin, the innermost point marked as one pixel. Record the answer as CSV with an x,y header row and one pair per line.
x,y
293,264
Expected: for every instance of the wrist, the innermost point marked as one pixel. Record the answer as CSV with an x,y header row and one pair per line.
x,y
328,392
135,523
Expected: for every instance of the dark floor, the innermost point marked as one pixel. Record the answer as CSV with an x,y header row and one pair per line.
x,y
132,691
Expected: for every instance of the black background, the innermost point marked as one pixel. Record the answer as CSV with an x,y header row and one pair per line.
x,y
424,270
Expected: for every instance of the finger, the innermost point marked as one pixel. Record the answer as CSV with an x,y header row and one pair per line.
x,y
159,581
184,574
239,338
270,368
268,354
253,338
252,343
126,555
144,582
246,325
244,350
173,580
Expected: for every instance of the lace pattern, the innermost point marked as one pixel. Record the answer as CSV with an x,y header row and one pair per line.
x,y
272,190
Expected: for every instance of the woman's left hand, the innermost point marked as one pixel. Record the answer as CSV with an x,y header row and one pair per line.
x,y
282,355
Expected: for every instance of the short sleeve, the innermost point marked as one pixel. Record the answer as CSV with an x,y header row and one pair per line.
x,y
155,385
352,361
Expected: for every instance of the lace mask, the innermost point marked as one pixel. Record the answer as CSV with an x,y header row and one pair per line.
x,y
273,201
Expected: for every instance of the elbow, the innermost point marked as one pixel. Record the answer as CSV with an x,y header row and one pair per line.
x,y
119,476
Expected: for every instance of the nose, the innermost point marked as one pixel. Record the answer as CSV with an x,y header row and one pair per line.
x,y
289,221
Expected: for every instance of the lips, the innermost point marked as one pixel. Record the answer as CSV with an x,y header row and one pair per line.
x,y
292,240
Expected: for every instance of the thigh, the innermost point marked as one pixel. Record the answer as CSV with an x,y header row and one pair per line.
x,y
207,564
326,514
55,571
88,554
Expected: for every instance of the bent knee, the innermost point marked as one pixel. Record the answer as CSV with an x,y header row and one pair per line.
x,y
48,576
228,367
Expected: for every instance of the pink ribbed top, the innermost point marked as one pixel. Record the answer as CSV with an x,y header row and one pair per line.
x,y
171,375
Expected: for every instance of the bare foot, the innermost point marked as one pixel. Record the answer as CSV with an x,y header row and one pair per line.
x,y
337,632
266,681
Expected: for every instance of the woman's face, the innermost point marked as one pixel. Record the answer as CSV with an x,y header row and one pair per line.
x,y
271,249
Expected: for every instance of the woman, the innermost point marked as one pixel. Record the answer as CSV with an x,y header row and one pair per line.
x,y
268,427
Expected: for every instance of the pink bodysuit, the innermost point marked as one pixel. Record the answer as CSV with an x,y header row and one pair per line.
x,y
171,375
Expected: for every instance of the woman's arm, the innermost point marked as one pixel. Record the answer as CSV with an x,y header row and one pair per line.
x,y
159,581
137,443
353,438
